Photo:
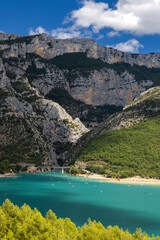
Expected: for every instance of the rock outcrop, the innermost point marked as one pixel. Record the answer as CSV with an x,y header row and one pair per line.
x,y
27,116
98,78
107,87
47,84
48,47
109,82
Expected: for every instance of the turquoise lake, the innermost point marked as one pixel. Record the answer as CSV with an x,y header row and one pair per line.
x,y
128,206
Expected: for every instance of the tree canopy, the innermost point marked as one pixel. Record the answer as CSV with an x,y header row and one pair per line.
x,y
26,224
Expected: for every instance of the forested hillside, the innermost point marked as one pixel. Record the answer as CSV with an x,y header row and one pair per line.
x,y
127,144
125,153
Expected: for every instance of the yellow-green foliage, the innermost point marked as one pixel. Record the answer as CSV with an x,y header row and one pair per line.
x,y
23,224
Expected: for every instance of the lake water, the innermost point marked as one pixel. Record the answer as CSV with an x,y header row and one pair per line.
x,y
128,206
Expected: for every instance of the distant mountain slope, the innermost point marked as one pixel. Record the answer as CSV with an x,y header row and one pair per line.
x,y
47,85
32,128
128,143
99,79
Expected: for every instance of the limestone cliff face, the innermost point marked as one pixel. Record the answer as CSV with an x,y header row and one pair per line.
x,y
100,87
111,56
48,47
106,82
107,87
51,79
25,114
47,84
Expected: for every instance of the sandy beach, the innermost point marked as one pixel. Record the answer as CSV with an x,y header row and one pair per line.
x,y
7,175
132,180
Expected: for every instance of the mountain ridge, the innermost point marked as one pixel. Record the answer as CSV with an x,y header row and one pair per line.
x,y
96,77
43,97
106,54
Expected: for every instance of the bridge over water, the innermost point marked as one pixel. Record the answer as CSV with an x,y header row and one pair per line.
x,y
51,168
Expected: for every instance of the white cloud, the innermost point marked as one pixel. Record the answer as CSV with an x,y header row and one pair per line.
x,y
134,16
140,17
131,45
63,33
1,31
113,34
38,30
99,37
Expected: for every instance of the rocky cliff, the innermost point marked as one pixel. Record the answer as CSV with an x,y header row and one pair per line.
x,y
33,129
48,47
47,85
94,80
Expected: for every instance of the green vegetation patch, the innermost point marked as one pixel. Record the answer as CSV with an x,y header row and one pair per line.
x,y
2,52
126,152
6,167
32,69
21,148
21,87
11,74
28,93
4,93
63,97
33,72
24,223
77,60
60,149
149,99
22,151
140,72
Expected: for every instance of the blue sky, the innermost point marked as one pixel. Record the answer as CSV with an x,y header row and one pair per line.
x,y
128,25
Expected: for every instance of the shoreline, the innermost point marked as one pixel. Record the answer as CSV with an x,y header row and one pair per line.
x,y
7,175
132,180
30,169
